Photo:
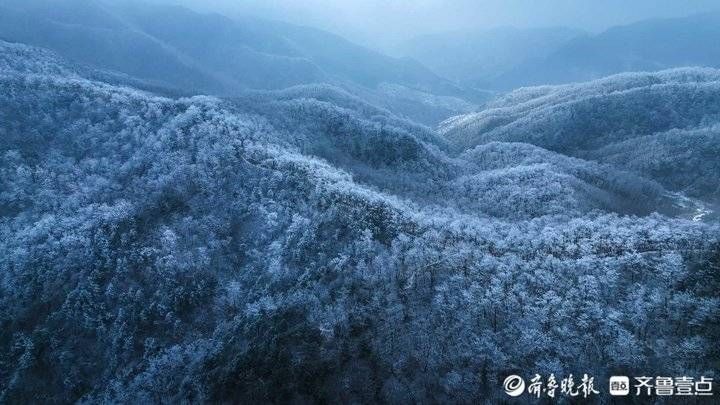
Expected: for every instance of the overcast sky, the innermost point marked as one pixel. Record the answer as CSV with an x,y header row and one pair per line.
x,y
384,22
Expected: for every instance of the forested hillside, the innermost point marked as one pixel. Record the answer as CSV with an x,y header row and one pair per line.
x,y
661,125
304,245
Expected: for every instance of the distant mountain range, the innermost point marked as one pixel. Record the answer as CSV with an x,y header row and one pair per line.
x,y
476,59
226,57
510,58
223,56
650,45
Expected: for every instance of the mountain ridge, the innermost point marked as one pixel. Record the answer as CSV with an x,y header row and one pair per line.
x,y
224,57
648,45
304,245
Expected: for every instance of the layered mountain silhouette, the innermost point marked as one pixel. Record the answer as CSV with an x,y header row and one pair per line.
x,y
649,45
224,56
507,58
478,59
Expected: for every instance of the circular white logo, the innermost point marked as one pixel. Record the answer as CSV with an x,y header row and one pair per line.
x,y
514,385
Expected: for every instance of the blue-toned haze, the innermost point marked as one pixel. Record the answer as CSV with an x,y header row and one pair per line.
x,y
253,202
385,21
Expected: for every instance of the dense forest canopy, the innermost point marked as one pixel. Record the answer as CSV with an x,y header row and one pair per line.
x,y
304,245
671,116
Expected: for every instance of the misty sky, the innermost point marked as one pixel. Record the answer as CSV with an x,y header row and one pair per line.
x,y
385,22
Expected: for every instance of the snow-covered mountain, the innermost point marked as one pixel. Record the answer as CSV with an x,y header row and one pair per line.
x,y
305,245
660,125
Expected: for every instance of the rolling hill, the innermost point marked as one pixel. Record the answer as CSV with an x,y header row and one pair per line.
x,y
305,245
671,116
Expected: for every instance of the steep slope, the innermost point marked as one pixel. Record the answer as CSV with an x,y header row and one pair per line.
x,y
476,59
193,250
650,45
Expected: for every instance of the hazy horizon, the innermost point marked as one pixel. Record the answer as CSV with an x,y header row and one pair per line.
x,y
384,24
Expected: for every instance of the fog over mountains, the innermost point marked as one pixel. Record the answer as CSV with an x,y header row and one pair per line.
x,y
223,56
199,209
478,59
504,59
